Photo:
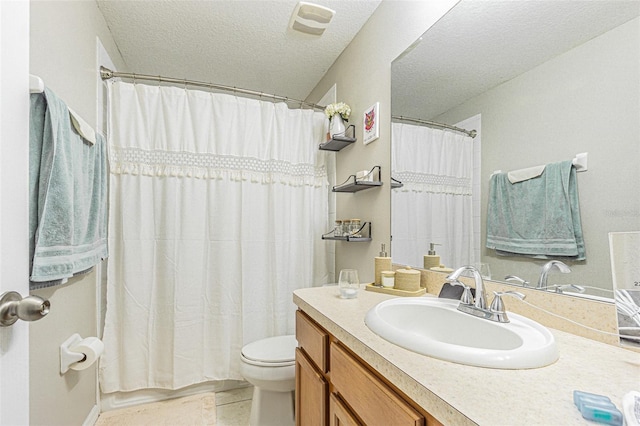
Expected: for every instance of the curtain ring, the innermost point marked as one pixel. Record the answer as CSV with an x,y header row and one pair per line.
x,y
185,84
159,80
134,78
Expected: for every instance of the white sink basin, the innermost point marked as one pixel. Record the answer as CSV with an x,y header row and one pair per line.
x,y
434,327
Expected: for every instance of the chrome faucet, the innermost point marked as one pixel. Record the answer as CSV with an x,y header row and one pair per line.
x,y
481,298
542,281
478,307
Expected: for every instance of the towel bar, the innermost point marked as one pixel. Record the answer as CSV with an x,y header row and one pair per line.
x,y
579,162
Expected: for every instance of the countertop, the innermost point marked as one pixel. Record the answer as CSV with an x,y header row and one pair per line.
x,y
457,394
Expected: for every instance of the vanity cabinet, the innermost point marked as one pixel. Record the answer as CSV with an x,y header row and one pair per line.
x,y
335,387
312,362
311,393
339,414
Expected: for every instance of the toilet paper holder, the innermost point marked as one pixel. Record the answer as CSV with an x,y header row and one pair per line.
x,y
69,357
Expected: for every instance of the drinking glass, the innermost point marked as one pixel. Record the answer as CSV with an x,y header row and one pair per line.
x,y
348,283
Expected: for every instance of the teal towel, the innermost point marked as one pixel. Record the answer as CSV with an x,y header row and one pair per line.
x,y
539,217
68,195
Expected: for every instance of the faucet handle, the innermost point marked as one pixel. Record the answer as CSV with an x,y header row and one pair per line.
x,y
517,279
467,296
574,287
497,305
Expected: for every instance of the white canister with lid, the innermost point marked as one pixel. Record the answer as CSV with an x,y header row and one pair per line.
x,y
407,279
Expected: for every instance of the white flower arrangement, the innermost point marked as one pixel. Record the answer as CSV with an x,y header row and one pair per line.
x,y
338,108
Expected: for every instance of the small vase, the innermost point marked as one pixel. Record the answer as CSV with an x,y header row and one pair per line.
x,y
336,125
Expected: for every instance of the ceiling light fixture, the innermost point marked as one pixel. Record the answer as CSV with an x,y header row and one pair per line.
x,y
310,18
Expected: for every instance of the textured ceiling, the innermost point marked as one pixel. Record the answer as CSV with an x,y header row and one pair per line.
x,y
481,44
245,44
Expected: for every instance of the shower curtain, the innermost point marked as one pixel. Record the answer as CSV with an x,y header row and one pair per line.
x,y
435,203
217,204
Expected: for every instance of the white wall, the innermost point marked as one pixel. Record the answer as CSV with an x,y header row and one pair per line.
x,y
63,53
586,100
362,74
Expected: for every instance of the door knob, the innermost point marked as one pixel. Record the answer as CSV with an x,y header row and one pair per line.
x,y
14,307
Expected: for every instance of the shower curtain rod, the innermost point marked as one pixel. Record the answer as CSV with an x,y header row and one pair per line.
x,y
471,133
107,74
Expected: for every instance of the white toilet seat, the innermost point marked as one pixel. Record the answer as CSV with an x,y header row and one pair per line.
x,y
269,365
266,364
279,351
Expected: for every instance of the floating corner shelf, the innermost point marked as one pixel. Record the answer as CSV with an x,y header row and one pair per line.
x,y
395,183
353,184
340,140
349,238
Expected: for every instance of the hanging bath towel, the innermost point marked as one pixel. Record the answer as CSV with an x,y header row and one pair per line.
x,y
68,195
538,217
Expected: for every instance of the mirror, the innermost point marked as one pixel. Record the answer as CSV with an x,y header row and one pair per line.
x,y
625,263
546,80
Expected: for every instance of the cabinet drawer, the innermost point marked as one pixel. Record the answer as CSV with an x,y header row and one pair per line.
x,y
313,339
374,401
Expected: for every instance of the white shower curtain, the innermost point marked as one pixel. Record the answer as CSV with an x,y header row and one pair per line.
x,y
435,203
217,204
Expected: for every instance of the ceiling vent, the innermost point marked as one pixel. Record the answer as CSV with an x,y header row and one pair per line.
x,y
310,18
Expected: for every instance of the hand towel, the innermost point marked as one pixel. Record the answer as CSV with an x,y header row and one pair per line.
x,y
538,217
67,189
516,176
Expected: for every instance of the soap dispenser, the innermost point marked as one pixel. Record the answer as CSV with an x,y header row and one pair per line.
x,y
382,263
431,260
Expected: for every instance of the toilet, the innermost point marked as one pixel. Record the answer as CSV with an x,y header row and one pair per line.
x,y
269,365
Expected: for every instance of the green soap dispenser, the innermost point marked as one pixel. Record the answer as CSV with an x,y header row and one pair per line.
x,y
432,260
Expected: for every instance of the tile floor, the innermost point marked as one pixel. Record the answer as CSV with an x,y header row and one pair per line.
x,y
229,408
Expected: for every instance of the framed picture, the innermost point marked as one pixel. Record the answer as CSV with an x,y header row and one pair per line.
x,y
370,124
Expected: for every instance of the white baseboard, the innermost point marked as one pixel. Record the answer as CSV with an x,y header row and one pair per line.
x,y
92,418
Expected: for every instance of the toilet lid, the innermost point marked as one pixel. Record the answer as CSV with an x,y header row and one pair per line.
x,y
272,349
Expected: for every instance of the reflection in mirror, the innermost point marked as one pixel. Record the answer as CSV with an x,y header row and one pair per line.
x,y
540,81
625,265
435,167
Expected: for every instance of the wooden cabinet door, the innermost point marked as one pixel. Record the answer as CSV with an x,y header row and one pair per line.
x,y
339,414
312,391
372,400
